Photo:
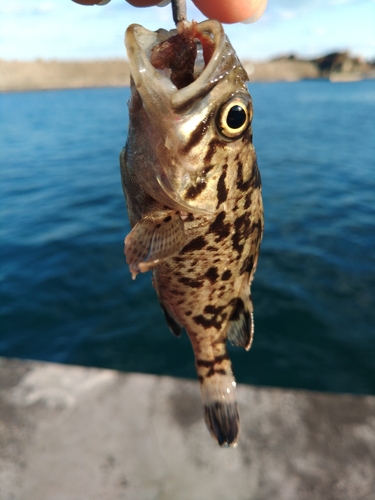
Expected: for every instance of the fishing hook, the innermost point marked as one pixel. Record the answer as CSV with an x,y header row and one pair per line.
x,y
178,10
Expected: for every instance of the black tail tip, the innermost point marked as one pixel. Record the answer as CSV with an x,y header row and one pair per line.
x,y
223,421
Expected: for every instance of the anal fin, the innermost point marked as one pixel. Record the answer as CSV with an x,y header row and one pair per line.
x,y
173,324
241,323
157,236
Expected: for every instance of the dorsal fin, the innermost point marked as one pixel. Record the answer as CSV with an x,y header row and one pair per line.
x,y
241,324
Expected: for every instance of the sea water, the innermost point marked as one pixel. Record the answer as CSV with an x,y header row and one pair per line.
x,y
66,292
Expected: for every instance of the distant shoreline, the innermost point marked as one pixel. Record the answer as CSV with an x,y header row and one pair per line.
x,y
19,76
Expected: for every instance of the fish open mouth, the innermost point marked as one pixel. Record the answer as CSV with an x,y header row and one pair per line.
x,y
183,56
184,63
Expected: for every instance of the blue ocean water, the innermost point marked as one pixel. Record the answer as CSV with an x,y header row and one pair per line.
x,y
67,295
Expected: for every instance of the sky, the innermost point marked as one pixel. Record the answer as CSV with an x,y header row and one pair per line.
x,y
61,29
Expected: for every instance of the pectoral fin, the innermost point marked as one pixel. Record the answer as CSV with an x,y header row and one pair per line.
x,y
155,237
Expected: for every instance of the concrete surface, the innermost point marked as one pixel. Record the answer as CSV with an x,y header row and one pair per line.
x,y
73,433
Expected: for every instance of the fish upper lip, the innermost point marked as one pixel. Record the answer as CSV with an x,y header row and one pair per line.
x,y
141,65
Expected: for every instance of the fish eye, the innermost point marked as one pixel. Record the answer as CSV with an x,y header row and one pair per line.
x,y
234,117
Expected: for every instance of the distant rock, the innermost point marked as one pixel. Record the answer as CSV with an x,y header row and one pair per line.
x,y
19,76
44,75
342,63
336,66
288,69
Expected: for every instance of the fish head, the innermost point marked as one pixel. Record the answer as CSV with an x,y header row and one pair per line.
x,y
196,125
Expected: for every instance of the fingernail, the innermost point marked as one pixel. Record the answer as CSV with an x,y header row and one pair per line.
x,y
163,3
257,14
104,2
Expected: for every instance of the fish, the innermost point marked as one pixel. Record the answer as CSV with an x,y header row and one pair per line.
x,y
193,193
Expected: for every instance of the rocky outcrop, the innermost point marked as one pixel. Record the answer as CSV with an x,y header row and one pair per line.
x,y
281,69
342,63
335,66
44,75
47,75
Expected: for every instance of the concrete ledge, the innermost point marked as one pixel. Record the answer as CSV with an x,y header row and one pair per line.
x,y
73,433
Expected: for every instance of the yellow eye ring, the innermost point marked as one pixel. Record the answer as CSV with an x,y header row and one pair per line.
x,y
234,118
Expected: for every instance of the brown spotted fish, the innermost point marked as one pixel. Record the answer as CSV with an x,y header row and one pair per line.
x,y
193,193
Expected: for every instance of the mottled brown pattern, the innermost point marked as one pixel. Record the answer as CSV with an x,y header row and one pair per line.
x,y
222,191
195,137
205,287
194,191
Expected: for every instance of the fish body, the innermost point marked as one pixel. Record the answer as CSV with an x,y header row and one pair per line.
x,y
193,193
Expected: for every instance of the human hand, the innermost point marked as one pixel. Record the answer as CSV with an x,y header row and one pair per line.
x,y
225,11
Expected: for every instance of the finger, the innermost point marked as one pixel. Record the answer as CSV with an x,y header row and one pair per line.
x,y
136,3
232,11
226,11
143,3
90,2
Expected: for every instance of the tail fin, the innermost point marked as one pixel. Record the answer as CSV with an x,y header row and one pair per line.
x,y
219,398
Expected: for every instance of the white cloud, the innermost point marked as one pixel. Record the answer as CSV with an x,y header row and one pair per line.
x,y
287,14
21,9
318,31
339,2
45,8
32,29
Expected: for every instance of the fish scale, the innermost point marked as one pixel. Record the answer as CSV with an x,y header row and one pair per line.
x,y
204,301
193,191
